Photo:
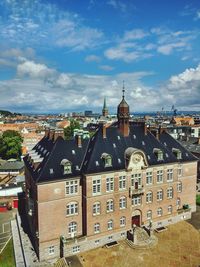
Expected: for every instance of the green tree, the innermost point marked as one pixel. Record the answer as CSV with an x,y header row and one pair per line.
x,y
69,131
11,145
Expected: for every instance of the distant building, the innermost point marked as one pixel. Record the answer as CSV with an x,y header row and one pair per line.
x,y
88,113
182,121
105,109
85,193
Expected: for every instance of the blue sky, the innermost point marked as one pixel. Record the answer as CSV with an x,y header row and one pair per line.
x,y
67,55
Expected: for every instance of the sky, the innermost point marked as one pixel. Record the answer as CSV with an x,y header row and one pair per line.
x,y
67,55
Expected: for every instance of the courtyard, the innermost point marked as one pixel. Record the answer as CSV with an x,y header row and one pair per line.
x,y
178,246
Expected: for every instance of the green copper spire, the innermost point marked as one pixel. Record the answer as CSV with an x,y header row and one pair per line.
x,y
105,109
104,104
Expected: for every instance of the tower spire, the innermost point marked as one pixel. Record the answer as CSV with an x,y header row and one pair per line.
x,y
105,109
123,90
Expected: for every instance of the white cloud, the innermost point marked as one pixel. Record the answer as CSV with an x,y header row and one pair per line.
x,y
92,58
135,34
106,67
117,4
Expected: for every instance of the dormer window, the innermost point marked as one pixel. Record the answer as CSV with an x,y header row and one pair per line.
x,y
107,159
67,166
158,153
177,153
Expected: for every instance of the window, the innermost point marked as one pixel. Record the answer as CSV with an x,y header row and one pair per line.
x,y
158,153
170,209
97,242
110,238
96,186
110,224
71,187
51,250
178,203
109,184
122,182
107,159
179,187
97,228
159,176
170,192
180,171
72,208
75,249
149,197
136,200
136,179
149,214
159,211
110,205
169,175
67,166
177,153
160,195
96,208
149,178
72,228
122,221
122,202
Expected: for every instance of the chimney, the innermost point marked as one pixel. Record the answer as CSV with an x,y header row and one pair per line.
x,y
51,134
79,140
104,131
47,132
57,133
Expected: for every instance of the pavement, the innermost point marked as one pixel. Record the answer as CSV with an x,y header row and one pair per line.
x,y
179,246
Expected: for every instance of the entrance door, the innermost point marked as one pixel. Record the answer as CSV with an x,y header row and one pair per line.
x,y
136,220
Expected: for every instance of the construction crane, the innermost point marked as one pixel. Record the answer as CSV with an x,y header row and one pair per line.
x,y
174,110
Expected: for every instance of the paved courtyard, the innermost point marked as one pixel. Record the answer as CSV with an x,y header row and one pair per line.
x,y
179,246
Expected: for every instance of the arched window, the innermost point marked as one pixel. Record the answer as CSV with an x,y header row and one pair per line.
x,y
67,166
122,221
160,195
169,209
149,197
97,228
170,192
159,211
149,214
110,224
96,209
110,205
72,228
72,208
179,187
122,202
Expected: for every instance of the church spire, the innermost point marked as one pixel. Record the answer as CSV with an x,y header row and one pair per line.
x,y
123,114
105,109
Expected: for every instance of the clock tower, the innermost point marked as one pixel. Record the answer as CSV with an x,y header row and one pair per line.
x,y
123,115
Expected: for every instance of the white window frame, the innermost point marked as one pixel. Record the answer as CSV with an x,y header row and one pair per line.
x,y
96,208
136,177
51,250
159,211
72,208
160,176
75,249
149,214
96,186
122,221
170,209
110,205
109,184
149,178
97,228
71,187
122,203
122,182
149,197
160,195
72,227
110,225
170,192
179,187
136,201
169,175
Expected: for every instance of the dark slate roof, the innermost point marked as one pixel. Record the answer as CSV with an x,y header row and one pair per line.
x,y
88,158
54,154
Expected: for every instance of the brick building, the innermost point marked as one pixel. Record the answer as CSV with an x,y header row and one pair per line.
x,y
82,194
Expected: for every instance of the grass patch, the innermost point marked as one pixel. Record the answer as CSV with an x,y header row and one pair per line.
x,y
7,256
198,199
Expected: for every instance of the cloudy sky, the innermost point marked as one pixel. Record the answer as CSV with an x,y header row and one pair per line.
x,y
67,55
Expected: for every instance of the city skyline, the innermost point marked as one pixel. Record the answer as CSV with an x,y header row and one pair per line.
x,y
60,56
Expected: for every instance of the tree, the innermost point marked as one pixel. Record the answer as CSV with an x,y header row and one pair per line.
x,y
69,131
11,145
